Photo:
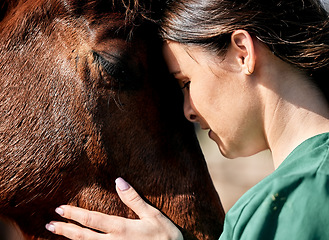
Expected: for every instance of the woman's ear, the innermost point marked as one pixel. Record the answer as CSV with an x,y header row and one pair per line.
x,y
243,44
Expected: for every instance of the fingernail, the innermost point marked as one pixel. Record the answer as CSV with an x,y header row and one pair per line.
x,y
122,184
50,227
59,211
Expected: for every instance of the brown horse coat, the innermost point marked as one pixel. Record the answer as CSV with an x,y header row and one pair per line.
x,y
84,98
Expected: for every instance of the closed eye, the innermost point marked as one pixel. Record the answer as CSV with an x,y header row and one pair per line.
x,y
186,85
121,74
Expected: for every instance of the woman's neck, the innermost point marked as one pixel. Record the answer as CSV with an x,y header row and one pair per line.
x,y
295,110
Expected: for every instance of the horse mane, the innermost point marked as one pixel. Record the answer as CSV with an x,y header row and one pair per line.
x,y
131,8
134,12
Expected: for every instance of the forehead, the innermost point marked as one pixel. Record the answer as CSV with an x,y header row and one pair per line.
x,y
175,55
180,57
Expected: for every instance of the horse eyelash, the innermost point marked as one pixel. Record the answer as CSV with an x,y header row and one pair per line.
x,y
113,69
119,71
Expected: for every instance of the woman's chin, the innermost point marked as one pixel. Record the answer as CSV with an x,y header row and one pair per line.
x,y
213,136
224,151
217,140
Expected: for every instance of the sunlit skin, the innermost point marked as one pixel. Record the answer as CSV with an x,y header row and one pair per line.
x,y
221,95
249,100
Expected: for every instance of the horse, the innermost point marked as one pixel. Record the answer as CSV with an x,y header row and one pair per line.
x,y
86,98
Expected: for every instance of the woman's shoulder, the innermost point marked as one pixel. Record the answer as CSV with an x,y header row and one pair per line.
x,y
298,190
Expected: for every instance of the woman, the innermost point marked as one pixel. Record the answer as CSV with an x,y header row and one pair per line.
x,y
254,73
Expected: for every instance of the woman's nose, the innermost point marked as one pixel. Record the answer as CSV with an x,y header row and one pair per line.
x,y
188,110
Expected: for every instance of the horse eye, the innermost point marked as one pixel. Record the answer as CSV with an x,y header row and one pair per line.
x,y
117,73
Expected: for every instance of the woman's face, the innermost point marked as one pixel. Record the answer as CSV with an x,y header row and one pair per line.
x,y
218,96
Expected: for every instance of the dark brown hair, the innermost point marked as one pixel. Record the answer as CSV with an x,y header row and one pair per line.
x,y
297,31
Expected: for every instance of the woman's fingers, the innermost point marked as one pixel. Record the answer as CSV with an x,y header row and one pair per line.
x,y
90,219
107,223
72,231
152,223
132,199
157,223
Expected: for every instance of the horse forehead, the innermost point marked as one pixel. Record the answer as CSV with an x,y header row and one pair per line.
x,y
108,32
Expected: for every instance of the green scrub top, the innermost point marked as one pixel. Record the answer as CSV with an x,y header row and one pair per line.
x,y
291,203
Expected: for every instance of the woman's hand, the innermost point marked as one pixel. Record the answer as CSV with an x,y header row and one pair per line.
x,y
151,225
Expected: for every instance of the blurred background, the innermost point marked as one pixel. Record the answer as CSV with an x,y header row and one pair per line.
x,y
233,177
